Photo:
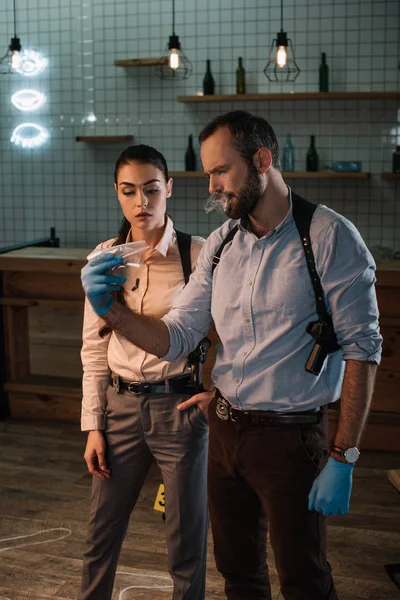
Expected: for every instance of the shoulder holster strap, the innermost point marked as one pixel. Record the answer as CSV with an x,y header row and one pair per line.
x,y
184,241
303,212
226,241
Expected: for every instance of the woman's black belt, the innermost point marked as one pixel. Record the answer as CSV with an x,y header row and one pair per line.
x,y
175,385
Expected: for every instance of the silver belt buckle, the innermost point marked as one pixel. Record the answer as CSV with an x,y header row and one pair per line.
x,y
131,387
141,387
222,409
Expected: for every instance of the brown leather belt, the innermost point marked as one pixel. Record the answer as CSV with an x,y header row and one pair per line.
x,y
261,418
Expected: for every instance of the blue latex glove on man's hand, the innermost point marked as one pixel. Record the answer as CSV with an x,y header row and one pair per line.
x,y
98,284
330,493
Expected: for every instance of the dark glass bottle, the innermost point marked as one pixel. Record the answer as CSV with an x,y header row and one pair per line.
x,y
190,156
396,160
312,156
323,74
208,81
240,78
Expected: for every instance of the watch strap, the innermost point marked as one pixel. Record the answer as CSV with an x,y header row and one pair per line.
x,y
342,453
338,449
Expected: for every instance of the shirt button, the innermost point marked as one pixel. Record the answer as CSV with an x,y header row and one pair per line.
x,y
236,380
244,353
258,247
249,283
247,320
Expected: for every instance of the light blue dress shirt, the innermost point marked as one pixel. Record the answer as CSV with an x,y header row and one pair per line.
x,y
260,299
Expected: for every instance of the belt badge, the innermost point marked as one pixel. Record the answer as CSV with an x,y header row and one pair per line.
x,y
222,409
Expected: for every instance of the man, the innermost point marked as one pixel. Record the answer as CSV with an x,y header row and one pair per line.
x,y
270,466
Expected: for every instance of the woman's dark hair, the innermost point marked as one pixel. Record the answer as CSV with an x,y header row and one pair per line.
x,y
145,155
250,133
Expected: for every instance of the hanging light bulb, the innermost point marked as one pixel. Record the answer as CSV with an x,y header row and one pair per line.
x,y
11,61
281,56
281,65
15,62
24,62
174,59
174,64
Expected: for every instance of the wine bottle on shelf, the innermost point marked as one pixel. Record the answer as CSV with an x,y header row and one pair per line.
x,y
396,160
190,156
323,74
288,154
240,78
312,156
208,81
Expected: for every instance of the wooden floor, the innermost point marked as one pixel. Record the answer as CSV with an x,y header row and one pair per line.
x,y
44,492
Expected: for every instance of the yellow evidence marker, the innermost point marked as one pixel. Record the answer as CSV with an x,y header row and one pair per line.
x,y
159,504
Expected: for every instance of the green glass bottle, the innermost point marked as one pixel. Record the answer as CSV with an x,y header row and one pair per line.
x,y
312,159
190,156
208,81
323,74
240,78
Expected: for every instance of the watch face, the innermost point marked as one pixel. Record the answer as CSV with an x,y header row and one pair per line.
x,y
351,455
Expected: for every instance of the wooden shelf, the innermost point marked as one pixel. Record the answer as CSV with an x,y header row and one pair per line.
x,y
45,303
292,96
141,62
104,139
286,175
390,175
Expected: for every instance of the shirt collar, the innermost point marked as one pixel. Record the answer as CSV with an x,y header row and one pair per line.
x,y
289,214
166,239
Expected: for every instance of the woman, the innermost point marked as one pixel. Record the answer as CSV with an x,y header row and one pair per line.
x,y
130,398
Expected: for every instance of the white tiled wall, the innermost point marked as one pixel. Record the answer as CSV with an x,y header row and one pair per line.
x,y
70,185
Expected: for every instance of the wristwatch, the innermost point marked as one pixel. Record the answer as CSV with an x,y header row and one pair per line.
x,y
350,455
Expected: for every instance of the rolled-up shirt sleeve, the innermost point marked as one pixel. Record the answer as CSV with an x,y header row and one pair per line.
x,y
190,318
347,272
96,372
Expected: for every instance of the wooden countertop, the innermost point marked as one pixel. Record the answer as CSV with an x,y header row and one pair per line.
x,y
388,265
71,260
53,260
388,273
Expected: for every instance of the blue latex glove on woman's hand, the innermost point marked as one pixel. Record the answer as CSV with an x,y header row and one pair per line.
x,y
98,284
330,493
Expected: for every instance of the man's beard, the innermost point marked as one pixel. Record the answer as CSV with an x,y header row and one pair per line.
x,y
241,204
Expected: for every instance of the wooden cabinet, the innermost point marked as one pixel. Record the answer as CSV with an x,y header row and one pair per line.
x,y
383,429
42,305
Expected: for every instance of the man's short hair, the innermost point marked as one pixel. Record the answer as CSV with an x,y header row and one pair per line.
x,y
250,133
